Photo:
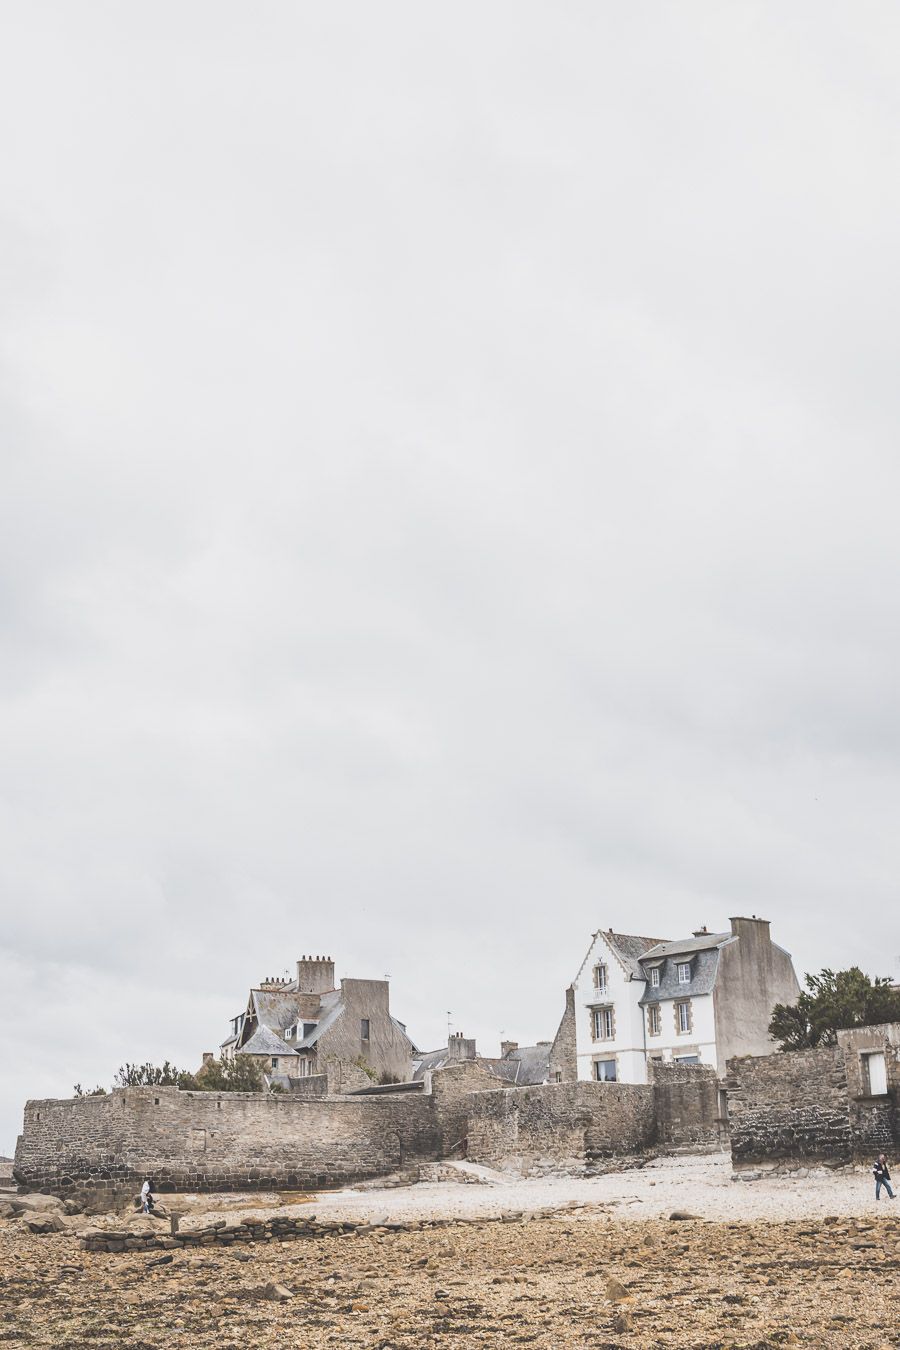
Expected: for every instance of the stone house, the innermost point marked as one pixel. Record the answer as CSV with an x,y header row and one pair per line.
x,y
517,1065
306,1026
698,1000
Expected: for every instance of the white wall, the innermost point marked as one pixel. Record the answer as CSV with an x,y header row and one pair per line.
x,y
627,1047
700,1040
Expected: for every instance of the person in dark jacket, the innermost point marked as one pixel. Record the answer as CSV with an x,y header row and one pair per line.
x,y
882,1177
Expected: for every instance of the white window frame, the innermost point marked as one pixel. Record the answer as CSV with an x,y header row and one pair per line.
x,y
609,1060
684,1016
601,977
603,1027
875,1089
654,1014
654,977
684,972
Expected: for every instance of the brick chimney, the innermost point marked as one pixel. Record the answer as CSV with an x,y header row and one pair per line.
x,y
315,975
459,1048
507,1047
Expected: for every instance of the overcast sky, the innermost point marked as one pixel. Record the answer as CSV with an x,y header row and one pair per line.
x,y
449,503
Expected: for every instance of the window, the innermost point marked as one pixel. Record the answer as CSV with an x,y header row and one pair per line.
x,y
605,1070
874,1074
309,1028
601,978
684,972
682,1018
364,1029
654,977
686,1059
654,1022
604,1024
274,1061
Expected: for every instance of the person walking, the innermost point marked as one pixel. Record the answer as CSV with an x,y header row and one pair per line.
x,y
882,1177
147,1197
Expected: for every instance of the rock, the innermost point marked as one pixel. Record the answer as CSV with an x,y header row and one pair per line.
x,y
278,1293
7,1210
47,1223
161,1260
679,1214
615,1290
621,1322
441,1293
37,1204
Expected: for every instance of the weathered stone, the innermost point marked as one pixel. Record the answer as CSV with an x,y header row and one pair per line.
x,y
278,1293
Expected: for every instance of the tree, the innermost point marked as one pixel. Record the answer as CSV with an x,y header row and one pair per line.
x,y
240,1074
153,1075
79,1091
832,1001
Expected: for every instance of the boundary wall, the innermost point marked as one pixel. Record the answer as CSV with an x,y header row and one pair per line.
x,y
799,1108
205,1141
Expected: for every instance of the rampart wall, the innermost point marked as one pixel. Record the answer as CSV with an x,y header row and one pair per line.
x,y
203,1141
789,1108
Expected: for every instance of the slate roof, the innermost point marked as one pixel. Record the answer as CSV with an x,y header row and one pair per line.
x,y
525,1067
693,944
277,1009
330,1009
704,966
532,1063
430,1059
629,947
265,1042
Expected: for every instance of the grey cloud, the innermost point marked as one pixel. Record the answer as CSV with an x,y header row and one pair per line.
x,y
449,504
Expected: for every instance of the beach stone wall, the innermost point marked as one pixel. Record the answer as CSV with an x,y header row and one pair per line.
x,y
815,1106
789,1109
203,1141
559,1124
688,1106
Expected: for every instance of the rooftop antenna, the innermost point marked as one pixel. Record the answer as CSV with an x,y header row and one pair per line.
x,y
449,1023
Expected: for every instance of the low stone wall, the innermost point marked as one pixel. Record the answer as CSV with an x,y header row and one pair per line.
x,y
87,1147
687,1106
790,1109
559,1124
202,1141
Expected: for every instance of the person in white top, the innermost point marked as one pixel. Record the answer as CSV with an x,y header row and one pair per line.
x,y
146,1198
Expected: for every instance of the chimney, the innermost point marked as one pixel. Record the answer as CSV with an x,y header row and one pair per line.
x,y
459,1048
507,1047
753,929
315,975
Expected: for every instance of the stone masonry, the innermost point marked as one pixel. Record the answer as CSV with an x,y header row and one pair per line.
x,y
792,1109
204,1141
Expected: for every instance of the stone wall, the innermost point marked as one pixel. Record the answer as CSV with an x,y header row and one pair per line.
x,y
200,1141
687,1106
387,1050
789,1109
559,1124
874,1121
563,1051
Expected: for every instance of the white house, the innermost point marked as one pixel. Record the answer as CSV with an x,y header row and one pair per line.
x,y
701,999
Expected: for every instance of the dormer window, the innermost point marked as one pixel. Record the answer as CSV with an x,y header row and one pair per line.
x,y
601,978
654,977
684,972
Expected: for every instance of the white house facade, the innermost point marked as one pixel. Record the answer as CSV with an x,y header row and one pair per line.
x,y
697,1000
609,1019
